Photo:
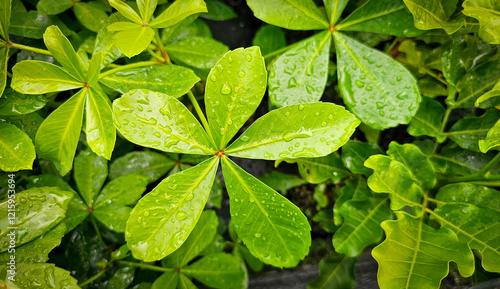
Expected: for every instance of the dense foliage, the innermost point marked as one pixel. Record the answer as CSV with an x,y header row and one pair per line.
x,y
114,176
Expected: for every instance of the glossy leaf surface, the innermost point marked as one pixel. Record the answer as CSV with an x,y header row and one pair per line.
x,y
15,103
161,122
177,12
334,9
294,14
47,275
198,52
163,219
428,120
469,130
144,163
431,14
378,100
53,7
91,15
269,38
319,170
168,279
478,82
5,10
353,189
234,90
489,99
104,44
16,149
492,140
146,9
125,10
488,15
89,173
299,75
273,229
134,40
216,270
4,58
100,131
355,153
286,132
172,80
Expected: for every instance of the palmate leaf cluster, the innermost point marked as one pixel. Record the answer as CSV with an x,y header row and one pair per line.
x,y
124,162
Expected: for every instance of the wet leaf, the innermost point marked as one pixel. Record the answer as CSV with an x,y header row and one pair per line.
x,y
104,43
89,173
125,10
334,9
53,7
177,12
319,170
299,75
353,189
100,131
492,140
489,99
144,163
487,13
198,52
133,41
465,193
46,275
15,103
216,270
281,182
431,14
4,58
91,15
379,101
16,149
469,130
428,120
355,153
5,10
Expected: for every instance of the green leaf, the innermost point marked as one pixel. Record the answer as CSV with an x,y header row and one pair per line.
x,y
168,279
430,87
104,43
5,9
198,52
383,17
176,12
335,271
428,120
121,25
419,254
390,176
361,225
379,101
355,153
185,283
354,189
216,270
269,38
47,275
53,7
233,92
16,149
281,182
133,41
144,163
469,130
273,229
465,193
38,210
293,14
91,15
172,80
432,14
94,69
161,122
90,173
111,206
15,103
146,8
202,235
218,11
415,161
299,75
31,24
63,52
456,161
492,140
489,99
4,58
334,9
477,83
452,63
215,197
57,137
294,130
319,170
163,219
488,15
126,11
185,29
121,278
37,77
100,131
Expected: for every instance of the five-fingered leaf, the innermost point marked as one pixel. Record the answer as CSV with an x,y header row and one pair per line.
x,y
435,14
334,9
415,255
303,130
273,229
299,75
163,219
16,149
379,100
43,274
159,121
234,90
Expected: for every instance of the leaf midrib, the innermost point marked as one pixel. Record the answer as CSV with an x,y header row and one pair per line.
x,y
346,23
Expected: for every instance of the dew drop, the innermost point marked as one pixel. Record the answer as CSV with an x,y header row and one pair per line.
x,y
181,216
225,89
146,213
257,235
244,138
241,73
301,107
248,57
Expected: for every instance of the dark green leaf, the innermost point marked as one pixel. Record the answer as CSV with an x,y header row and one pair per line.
x,y
144,163
16,149
31,24
282,182
489,99
269,38
46,275
354,189
428,120
185,282
432,14
53,7
216,270
319,170
218,11
5,9
198,52
482,197
15,103
168,279
90,173
469,130
91,15
492,140
335,271
355,153
4,58
477,83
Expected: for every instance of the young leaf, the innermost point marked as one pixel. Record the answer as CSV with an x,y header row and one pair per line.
x,y
161,122
488,15
469,130
390,176
15,103
63,52
168,279
146,8
273,229
490,99
104,43
299,75
198,52
294,14
163,219
171,79
492,140
383,17
290,132
334,9
47,275
319,170
37,77
5,9
94,69
419,253
16,149
335,271
176,12
134,40
57,137
90,173
48,204
100,131
216,270
144,163
361,225
234,90
126,11
355,153
378,100
428,120
432,14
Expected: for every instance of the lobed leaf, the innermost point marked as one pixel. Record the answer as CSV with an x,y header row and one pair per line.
x,y
16,149
431,14
355,153
488,15
469,130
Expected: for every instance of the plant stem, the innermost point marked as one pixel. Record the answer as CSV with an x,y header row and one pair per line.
x,y
144,266
98,232
393,45
156,56
132,65
93,278
204,121
162,48
29,48
489,165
